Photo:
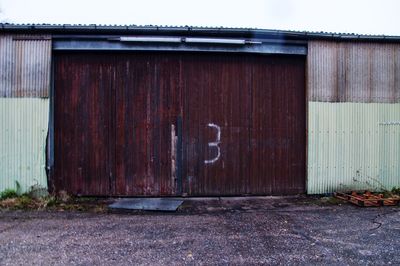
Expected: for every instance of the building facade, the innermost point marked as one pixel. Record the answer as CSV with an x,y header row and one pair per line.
x,y
163,111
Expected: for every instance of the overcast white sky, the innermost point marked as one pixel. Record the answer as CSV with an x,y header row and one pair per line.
x,y
350,16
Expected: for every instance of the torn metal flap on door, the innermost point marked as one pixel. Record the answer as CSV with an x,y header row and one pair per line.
x,y
148,204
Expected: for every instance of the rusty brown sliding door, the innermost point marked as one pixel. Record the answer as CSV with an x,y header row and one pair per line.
x,y
83,135
278,126
244,125
116,124
217,93
147,107
165,124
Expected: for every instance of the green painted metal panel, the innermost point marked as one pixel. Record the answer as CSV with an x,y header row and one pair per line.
x,y
23,130
353,146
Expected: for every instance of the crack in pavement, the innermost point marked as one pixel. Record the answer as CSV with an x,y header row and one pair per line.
x,y
381,215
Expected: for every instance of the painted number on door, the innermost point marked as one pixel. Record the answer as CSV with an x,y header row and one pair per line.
x,y
215,144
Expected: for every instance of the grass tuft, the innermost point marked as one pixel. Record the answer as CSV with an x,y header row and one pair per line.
x,y
8,194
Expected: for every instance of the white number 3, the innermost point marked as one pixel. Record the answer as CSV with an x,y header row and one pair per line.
x,y
215,143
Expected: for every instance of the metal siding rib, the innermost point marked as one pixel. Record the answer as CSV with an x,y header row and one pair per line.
x,y
25,65
6,63
322,69
397,75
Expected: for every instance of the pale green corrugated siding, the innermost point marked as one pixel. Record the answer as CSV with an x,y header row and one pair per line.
x,y
353,146
23,130
25,62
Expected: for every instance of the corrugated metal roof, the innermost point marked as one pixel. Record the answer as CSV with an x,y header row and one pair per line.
x,y
189,30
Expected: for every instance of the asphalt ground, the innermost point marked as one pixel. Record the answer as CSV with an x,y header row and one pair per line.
x,y
213,231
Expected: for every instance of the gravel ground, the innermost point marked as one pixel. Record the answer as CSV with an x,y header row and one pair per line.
x,y
206,231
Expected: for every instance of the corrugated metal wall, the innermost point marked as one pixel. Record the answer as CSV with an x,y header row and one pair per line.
x,y
353,116
25,63
353,72
22,144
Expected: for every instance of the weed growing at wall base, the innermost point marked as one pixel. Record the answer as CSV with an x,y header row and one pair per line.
x,y
8,193
34,198
37,198
396,191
